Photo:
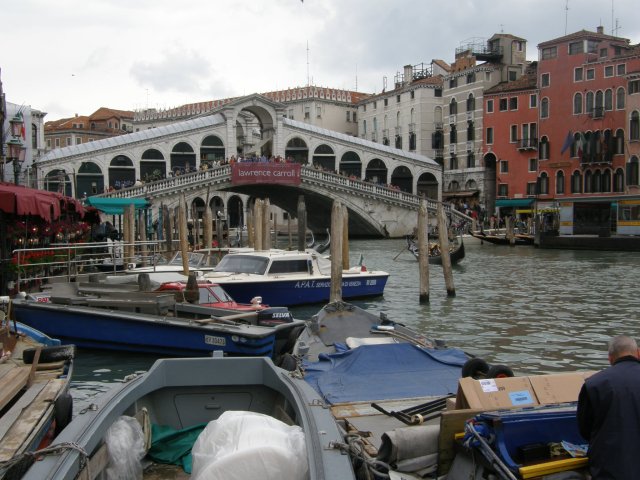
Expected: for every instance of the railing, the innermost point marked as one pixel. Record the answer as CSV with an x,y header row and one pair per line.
x,y
597,112
528,144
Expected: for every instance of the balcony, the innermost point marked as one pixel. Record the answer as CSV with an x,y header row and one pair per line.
x,y
438,125
528,144
597,112
438,153
470,146
597,158
452,148
453,119
470,116
398,131
412,127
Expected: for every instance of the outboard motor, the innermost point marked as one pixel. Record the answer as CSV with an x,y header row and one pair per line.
x,y
272,316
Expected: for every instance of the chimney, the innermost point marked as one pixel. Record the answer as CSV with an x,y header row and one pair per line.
x,y
408,74
600,29
76,114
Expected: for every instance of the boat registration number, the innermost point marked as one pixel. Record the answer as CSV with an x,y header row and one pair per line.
x,y
211,340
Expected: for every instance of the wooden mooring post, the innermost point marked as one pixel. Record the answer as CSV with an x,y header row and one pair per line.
x,y
257,224
335,294
302,224
445,254
423,251
182,234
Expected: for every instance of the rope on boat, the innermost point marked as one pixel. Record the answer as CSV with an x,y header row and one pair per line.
x,y
16,466
354,447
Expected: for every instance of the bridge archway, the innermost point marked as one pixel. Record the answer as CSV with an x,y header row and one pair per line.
x,y
89,179
350,164
152,165
298,150
183,158
212,150
428,186
376,172
402,178
217,205
122,173
325,158
235,212
58,181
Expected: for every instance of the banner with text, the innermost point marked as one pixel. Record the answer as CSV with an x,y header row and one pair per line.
x,y
258,172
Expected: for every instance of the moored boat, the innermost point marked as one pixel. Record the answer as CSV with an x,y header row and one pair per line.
x,y
290,277
518,238
456,251
35,404
178,398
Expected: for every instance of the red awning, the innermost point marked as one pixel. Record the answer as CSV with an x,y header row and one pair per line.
x,y
18,200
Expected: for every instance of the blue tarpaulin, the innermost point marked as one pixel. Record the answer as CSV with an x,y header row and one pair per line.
x,y
378,372
115,206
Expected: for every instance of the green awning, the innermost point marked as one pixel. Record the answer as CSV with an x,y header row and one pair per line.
x,y
116,206
514,202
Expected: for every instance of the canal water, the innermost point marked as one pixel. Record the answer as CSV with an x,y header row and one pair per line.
x,y
537,311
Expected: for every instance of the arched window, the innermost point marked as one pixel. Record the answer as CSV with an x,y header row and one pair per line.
x,y
632,171
375,124
599,99
588,182
543,150
589,103
608,99
606,181
619,142
471,103
620,98
597,182
576,182
453,107
543,184
453,135
577,104
575,146
560,182
618,181
364,127
544,108
634,126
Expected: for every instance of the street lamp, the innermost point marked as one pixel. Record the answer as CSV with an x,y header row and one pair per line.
x,y
15,148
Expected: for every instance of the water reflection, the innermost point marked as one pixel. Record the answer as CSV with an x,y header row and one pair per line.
x,y
538,311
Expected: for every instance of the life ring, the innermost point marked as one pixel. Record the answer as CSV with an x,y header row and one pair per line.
x,y
499,371
475,368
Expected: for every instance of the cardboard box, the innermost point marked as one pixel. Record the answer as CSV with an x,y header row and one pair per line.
x,y
514,392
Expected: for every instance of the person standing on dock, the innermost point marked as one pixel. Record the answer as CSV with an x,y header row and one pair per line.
x,y
609,413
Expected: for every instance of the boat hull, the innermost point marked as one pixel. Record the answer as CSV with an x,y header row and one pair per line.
x,y
89,327
299,291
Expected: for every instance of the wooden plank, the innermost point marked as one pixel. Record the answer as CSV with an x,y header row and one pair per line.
x,y
24,429
97,463
16,409
12,383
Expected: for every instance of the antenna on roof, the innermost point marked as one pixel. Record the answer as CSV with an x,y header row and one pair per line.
x,y
308,63
356,77
566,15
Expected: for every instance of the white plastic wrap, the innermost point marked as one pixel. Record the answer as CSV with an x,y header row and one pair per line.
x,y
242,445
125,442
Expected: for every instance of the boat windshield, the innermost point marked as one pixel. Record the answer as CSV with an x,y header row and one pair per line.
x,y
242,264
214,294
194,259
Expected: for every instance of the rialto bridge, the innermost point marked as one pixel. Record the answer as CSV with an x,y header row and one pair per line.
x,y
199,158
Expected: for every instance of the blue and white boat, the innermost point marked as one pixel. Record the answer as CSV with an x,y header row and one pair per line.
x,y
149,323
289,278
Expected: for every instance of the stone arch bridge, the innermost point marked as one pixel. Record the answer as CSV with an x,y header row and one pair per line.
x,y
380,185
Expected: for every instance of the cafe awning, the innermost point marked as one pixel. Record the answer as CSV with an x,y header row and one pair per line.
x,y
514,202
19,200
116,206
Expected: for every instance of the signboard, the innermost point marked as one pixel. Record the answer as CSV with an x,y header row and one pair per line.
x,y
247,173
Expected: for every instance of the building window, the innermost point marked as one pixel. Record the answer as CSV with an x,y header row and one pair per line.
x,y
634,126
57,142
386,102
608,99
397,98
543,184
608,71
604,52
503,104
577,74
487,76
453,107
513,136
533,164
471,160
471,132
48,143
543,149
618,146
531,188
621,69
348,116
576,182
412,94
620,100
634,87
489,139
489,106
591,74
471,77
544,108
437,92
453,82
560,182
364,107
504,166
453,135
355,117
471,103
590,103
503,190
545,80
375,105
318,112
513,75
533,100
78,140
577,104
364,127
69,141
633,173
549,52
513,103
307,112
576,47
453,163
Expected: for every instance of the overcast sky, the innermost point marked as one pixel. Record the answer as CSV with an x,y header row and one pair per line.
x,y
74,56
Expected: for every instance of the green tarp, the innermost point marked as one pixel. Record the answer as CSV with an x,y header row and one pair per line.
x,y
115,206
514,202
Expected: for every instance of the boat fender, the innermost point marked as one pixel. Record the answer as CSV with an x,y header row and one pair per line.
x,y
499,371
63,411
384,328
475,367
